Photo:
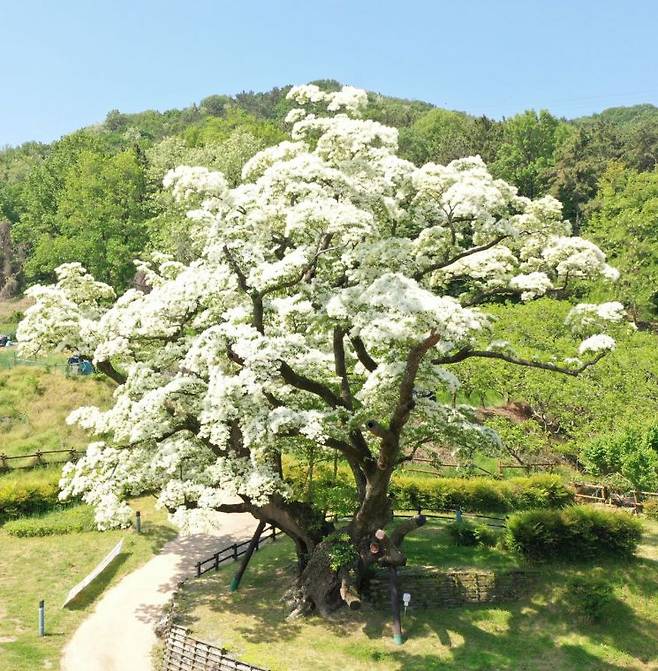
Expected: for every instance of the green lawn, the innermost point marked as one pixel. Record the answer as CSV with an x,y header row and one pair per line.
x,y
534,634
46,568
34,404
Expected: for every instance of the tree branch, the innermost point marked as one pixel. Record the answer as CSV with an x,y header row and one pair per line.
x,y
405,398
312,386
448,262
362,353
110,371
469,353
341,368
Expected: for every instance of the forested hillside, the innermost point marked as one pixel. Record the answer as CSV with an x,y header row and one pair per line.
x,y
95,195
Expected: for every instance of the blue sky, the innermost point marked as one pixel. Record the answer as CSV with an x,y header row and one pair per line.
x,y
66,63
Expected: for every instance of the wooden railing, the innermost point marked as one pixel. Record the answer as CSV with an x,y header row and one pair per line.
x,y
37,459
184,653
232,552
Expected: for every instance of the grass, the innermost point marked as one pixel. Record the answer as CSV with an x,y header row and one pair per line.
x,y
46,568
34,404
536,634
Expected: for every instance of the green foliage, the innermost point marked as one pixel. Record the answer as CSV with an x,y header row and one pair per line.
x,y
589,597
479,494
337,496
82,205
625,222
218,129
567,411
650,508
439,136
579,163
576,532
525,155
466,533
631,454
341,552
27,496
66,521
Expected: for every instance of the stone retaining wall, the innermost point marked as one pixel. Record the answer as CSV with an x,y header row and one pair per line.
x,y
432,588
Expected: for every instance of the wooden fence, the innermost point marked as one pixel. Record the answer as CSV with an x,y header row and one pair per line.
x,y
232,552
602,494
184,653
501,467
236,550
39,458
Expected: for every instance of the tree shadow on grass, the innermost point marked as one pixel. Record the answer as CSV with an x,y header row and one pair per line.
x,y
533,634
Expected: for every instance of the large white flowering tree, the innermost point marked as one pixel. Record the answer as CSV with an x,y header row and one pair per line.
x,y
334,288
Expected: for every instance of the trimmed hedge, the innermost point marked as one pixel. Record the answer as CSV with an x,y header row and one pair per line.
x,y
67,521
29,497
480,494
468,534
472,495
576,532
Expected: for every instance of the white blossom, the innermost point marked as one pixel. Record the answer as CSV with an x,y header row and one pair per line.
x,y
596,343
330,244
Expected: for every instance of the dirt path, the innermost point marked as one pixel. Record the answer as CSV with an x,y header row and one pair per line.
x,y
118,635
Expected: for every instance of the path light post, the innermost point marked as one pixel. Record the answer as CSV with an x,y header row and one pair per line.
x,y
458,515
42,618
406,599
138,522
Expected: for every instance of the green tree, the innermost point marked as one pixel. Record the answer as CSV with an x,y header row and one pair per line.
x,y
97,218
580,162
526,153
625,218
439,136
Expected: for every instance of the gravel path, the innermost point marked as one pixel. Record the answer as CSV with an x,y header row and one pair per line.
x,y
118,635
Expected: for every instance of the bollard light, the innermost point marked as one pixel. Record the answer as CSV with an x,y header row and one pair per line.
x,y
42,618
138,522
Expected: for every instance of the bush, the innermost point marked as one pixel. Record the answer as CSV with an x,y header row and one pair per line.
x,y
576,532
469,534
20,497
66,521
650,508
589,597
480,494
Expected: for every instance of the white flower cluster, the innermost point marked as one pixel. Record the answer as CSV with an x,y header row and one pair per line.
x,y
596,343
589,317
349,98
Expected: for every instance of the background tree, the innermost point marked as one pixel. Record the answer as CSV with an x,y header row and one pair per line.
x,y
525,154
626,211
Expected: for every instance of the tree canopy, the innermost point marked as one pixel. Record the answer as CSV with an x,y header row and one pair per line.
x,y
337,287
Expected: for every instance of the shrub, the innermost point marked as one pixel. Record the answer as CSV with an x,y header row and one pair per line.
x,y
19,497
576,532
651,508
589,597
480,494
66,521
469,534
